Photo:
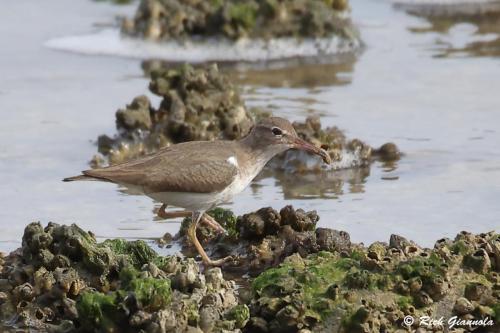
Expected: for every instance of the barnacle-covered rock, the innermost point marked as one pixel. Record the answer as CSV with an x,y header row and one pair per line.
x,y
463,306
318,281
494,244
298,219
399,242
479,261
263,238
474,291
377,251
137,115
342,292
343,152
332,240
116,285
388,152
234,19
202,104
265,221
197,104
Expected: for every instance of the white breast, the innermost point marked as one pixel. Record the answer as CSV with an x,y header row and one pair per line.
x,y
242,180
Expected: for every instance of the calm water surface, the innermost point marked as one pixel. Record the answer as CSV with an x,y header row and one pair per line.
x,y
430,86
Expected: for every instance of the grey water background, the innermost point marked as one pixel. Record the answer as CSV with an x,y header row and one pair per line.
x,y
433,91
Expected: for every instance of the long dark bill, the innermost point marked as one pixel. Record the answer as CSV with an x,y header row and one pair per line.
x,y
304,145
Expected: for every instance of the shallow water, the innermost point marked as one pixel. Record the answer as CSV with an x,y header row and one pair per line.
x,y
428,89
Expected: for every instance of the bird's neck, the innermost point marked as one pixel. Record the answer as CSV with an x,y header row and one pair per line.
x,y
260,154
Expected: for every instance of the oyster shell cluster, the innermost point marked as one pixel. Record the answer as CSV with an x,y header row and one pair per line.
x,y
196,105
305,279
202,104
234,19
264,238
345,153
62,280
372,289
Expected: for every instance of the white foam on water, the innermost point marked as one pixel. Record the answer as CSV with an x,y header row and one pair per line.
x,y
348,159
111,42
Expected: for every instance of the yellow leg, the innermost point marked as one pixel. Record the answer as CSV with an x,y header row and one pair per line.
x,y
192,236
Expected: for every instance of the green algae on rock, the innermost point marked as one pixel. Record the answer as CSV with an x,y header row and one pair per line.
x,y
372,289
235,19
62,280
225,217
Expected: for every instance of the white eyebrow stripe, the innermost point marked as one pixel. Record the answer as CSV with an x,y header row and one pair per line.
x,y
232,160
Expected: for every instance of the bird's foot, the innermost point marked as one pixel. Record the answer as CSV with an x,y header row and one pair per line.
x,y
220,262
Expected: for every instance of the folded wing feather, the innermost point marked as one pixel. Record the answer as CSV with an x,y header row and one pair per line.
x,y
200,167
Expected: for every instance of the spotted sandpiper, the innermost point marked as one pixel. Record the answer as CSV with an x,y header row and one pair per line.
x,y
200,175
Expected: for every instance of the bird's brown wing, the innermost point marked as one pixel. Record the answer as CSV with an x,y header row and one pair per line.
x,y
200,167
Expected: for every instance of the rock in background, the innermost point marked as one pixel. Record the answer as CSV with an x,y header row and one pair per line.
x,y
202,104
235,19
197,104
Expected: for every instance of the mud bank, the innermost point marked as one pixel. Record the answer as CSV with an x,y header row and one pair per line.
x,y
304,279
203,104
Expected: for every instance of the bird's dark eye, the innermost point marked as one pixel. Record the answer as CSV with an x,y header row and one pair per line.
x,y
277,131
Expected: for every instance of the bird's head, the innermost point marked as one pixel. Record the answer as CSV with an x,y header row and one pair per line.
x,y
279,132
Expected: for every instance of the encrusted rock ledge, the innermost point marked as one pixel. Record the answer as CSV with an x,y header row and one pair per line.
x,y
264,238
234,19
304,279
373,289
62,280
202,104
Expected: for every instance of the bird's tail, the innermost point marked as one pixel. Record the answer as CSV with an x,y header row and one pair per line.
x,y
79,177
